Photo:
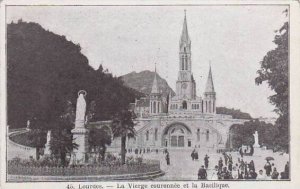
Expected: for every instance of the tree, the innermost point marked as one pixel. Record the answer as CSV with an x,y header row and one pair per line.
x,y
37,138
242,134
123,126
98,139
61,142
236,114
274,71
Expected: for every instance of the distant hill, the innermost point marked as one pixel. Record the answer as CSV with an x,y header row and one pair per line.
x,y
143,81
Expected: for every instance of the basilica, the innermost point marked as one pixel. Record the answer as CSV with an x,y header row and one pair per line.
x,y
184,120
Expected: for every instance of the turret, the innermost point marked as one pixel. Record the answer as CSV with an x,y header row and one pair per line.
x,y
209,105
155,97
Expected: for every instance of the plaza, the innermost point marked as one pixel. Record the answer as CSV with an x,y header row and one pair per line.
x,y
182,167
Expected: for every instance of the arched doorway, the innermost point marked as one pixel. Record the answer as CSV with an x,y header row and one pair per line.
x,y
184,105
177,135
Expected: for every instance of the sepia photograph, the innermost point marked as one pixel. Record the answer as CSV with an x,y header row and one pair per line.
x,y
145,92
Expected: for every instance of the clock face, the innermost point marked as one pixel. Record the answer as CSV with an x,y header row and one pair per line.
x,y
184,85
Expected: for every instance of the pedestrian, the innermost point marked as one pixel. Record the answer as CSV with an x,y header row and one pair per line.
x,y
225,158
225,174
260,175
282,176
230,165
193,154
168,158
214,175
220,165
230,158
196,155
202,174
242,164
235,172
246,171
252,174
287,170
206,161
275,174
251,165
240,175
268,168
241,152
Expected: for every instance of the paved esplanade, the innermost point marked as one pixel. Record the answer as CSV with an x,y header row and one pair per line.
x,y
183,168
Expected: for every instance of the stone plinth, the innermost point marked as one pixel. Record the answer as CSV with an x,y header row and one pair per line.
x,y
47,149
80,136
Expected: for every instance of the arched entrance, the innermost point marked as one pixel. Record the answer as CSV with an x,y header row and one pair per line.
x,y
184,105
177,135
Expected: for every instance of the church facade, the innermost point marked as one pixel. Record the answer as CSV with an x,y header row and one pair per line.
x,y
184,120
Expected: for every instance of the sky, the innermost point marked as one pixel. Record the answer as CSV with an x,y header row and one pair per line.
x,y
132,38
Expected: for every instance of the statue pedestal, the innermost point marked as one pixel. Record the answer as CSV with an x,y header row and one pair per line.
x,y
80,136
47,149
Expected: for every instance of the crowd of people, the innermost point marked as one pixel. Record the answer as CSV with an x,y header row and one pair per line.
x,y
226,170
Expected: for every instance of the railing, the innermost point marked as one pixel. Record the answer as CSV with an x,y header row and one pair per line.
x,y
83,170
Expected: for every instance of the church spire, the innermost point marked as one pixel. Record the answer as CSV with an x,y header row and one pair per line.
x,y
209,84
154,85
184,35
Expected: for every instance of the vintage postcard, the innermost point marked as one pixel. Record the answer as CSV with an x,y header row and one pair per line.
x,y
149,94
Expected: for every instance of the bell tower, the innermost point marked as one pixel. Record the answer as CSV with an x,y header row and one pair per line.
x,y
185,85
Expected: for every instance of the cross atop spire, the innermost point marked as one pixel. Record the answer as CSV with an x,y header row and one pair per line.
x,y
154,85
209,84
184,35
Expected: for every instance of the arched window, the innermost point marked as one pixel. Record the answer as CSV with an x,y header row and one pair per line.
x,y
214,107
207,135
185,62
147,135
182,63
209,106
154,107
198,134
206,106
158,107
184,105
155,135
202,106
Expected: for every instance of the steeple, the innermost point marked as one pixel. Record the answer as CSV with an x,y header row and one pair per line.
x,y
209,84
154,85
184,35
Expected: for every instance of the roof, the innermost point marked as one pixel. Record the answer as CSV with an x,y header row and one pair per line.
x,y
184,35
209,84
